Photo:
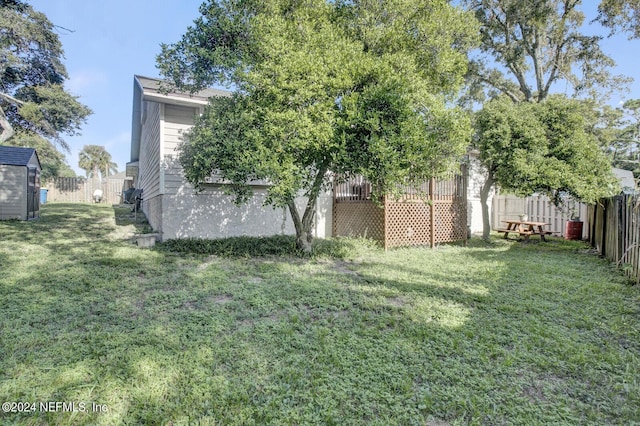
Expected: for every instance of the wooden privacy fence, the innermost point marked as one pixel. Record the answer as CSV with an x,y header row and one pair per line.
x,y
432,214
614,226
80,190
538,208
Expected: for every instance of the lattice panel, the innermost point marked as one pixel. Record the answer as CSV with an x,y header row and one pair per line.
x,y
451,221
408,221
408,224
359,219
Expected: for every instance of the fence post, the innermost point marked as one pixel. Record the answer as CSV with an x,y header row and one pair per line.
x,y
432,228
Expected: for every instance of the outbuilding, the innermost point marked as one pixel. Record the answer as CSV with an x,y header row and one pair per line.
x,y
19,183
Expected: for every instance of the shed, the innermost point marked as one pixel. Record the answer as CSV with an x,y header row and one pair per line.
x,y
19,183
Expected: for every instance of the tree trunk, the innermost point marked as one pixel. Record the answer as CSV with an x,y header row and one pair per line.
x,y
484,198
304,225
304,235
7,129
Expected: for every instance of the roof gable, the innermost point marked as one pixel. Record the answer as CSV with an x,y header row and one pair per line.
x,y
16,156
152,86
148,89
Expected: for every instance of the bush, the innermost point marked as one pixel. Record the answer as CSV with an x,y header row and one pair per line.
x,y
277,245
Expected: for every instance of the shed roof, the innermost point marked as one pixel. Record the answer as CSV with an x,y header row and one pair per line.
x,y
16,156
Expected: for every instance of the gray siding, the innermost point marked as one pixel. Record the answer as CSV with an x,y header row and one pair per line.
x,y
13,192
149,164
177,119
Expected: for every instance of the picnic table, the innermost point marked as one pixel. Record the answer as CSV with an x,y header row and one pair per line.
x,y
525,229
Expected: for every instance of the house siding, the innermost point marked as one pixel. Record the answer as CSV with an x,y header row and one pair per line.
x,y
177,120
13,192
172,205
149,165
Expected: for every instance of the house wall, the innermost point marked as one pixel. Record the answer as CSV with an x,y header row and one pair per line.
x,y
172,205
149,164
13,192
177,120
212,214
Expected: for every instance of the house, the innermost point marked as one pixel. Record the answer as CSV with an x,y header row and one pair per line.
x,y
172,206
19,183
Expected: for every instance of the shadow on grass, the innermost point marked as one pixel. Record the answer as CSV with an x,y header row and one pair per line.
x,y
125,216
462,335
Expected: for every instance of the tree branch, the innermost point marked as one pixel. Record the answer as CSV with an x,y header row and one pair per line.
x,y
503,89
11,99
7,129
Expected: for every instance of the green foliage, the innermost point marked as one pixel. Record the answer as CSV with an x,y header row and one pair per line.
x,y
544,148
621,15
96,161
32,95
323,86
526,334
278,245
53,162
624,146
282,245
527,47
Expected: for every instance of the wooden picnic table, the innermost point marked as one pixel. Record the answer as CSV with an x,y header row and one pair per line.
x,y
525,229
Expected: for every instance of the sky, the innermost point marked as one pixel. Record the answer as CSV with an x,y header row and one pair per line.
x,y
107,42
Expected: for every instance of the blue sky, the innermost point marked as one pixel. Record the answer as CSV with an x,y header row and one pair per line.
x,y
113,40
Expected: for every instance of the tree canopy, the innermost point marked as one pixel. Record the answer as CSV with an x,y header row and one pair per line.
x,y
96,161
323,86
542,148
621,15
527,47
54,163
32,75
620,131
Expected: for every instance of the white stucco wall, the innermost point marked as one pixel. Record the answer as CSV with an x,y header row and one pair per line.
x,y
212,214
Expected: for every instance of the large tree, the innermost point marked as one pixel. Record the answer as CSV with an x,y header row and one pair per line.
x,y
528,50
621,15
541,148
32,75
623,146
528,47
96,161
323,86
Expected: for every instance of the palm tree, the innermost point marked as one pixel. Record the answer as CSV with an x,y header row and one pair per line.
x,y
96,161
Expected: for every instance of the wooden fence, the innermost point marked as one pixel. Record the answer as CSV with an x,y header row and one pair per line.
x,y
614,226
80,190
434,213
538,208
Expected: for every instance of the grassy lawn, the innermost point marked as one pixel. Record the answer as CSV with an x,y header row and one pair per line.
x,y
508,333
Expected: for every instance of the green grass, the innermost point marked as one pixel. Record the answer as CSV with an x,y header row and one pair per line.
x,y
507,333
